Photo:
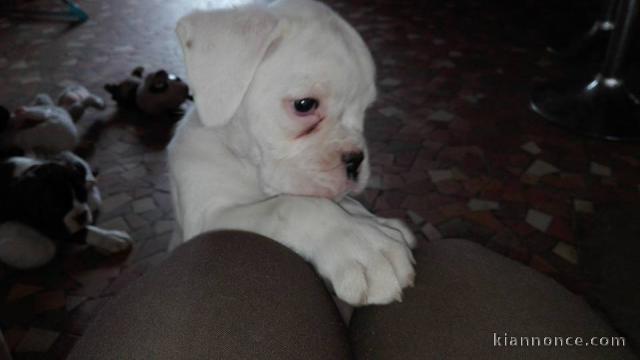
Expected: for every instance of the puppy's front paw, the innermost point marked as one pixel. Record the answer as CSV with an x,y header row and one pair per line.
x,y
394,228
397,225
367,263
108,241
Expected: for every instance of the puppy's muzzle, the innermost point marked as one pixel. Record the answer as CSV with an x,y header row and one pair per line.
x,y
352,161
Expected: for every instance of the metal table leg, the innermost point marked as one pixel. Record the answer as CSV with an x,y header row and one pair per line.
x,y
603,108
595,37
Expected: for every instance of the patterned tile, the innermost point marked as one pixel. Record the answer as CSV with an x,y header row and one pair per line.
x,y
485,219
482,205
560,229
37,340
531,147
115,201
599,169
143,205
583,206
431,232
441,116
567,252
19,291
415,218
163,226
440,175
538,220
50,300
541,168
73,302
117,223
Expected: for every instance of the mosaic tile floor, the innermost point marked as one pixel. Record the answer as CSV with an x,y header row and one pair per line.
x,y
455,150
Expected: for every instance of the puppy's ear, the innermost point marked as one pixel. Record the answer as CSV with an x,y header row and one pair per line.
x,y
222,50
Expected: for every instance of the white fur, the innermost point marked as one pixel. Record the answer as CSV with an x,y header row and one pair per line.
x,y
56,131
238,161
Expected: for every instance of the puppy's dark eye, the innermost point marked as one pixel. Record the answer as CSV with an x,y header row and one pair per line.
x,y
305,106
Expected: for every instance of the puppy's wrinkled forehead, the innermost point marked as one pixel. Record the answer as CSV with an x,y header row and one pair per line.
x,y
320,49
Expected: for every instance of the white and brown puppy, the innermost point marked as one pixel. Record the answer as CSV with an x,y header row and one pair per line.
x,y
275,143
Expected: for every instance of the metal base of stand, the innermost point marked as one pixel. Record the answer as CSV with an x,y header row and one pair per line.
x,y
602,109
73,13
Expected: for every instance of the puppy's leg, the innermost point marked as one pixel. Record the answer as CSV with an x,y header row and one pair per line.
x,y
107,241
357,255
395,228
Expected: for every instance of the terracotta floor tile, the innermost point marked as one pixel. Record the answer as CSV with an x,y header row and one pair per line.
x,y
19,291
561,230
486,219
48,301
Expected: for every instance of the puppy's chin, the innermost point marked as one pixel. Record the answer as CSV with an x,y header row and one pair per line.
x,y
351,189
303,179
309,188
333,194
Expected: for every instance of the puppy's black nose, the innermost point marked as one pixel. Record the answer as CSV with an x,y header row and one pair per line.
x,y
352,163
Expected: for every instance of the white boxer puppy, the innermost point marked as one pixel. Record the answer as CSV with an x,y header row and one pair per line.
x,y
275,143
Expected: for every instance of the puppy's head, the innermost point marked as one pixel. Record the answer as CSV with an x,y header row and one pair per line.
x,y
291,82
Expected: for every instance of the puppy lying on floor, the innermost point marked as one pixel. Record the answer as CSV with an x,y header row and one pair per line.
x,y
275,143
46,202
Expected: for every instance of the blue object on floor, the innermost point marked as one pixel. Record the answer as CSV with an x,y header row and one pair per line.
x,y
73,13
